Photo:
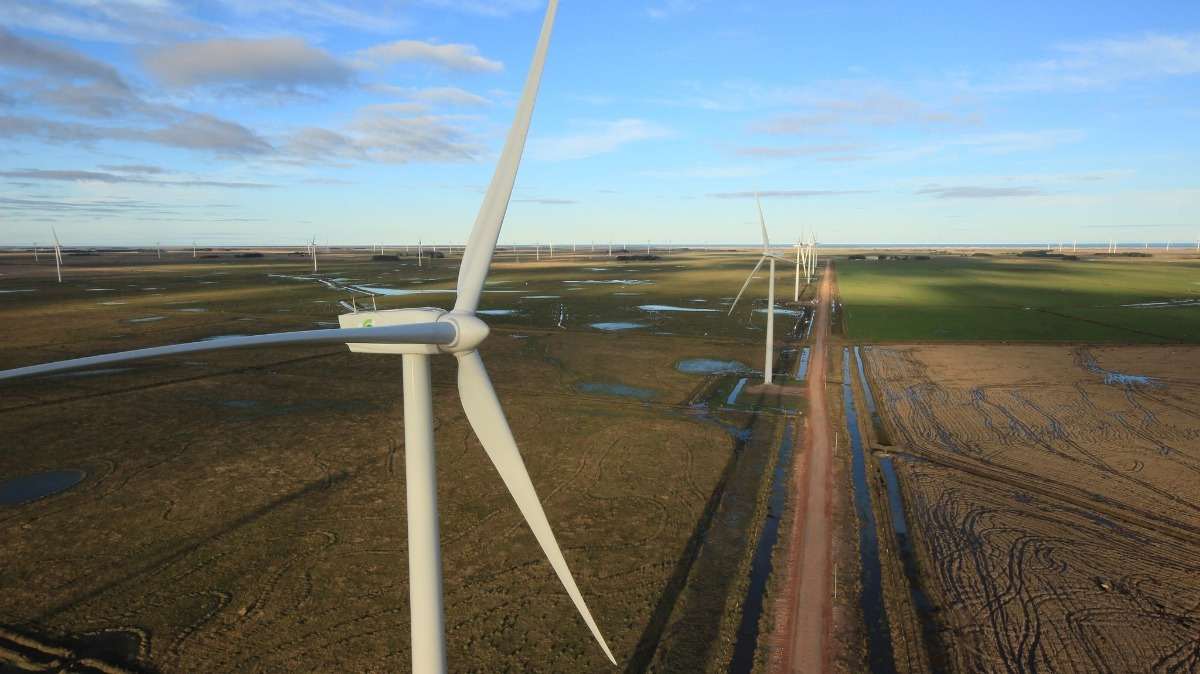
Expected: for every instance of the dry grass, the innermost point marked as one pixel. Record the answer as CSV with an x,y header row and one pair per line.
x,y
245,510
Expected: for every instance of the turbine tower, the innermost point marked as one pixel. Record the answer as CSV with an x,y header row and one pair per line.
x,y
766,255
417,334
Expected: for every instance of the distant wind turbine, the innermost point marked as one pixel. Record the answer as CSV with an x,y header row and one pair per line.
x,y
766,255
417,334
35,249
57,254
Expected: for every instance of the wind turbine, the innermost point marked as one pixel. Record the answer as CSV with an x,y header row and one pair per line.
x,y
57,254
801,256
313,247
766,255
193,248
35,250
158,249
417,334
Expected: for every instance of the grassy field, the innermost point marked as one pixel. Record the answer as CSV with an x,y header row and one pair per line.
x,y
1009,298
244,510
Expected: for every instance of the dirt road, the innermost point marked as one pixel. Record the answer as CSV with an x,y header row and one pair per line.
x,y
805,628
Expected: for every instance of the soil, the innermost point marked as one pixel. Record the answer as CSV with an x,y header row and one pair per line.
x,y
1053,501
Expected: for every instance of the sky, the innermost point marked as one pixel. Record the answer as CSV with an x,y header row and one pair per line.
x,y
255,122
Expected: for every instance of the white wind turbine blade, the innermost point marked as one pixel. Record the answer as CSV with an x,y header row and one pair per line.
x,y
491,427
477,256
57,254
424,333
746,284
763,223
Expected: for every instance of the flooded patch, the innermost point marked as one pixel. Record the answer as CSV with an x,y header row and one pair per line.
x,y
619,390
239,404
760,565
498,312
617,281
87,373
18,290
541,297
618,325
146,319
623,294
778,311
114,303
26,488
99,290
736,390
879,641
1117,378
380,290
193,310
802,369
920,599
667,307
1186,302
710,366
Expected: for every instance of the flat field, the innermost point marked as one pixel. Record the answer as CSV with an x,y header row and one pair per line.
x,y
1054,501
1004,297
244,510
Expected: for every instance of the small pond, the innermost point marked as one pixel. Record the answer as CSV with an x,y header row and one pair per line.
x,y
27,488
616,325
710,366
620,390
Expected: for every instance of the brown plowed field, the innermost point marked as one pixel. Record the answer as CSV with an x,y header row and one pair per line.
x,y
1054,502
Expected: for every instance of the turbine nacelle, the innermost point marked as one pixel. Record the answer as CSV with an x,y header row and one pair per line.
x,y
469,331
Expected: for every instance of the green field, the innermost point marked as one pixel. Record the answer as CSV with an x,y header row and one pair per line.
x,y
1009,298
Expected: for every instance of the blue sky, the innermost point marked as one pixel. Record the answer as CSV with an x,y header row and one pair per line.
x,y
256,122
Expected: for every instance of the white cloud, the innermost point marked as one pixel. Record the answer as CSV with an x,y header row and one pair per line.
x,y
272,64
597,138
462,57
1105,63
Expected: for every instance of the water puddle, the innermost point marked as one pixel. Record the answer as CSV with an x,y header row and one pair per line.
x,y
710,366
609,327
624,294
18,290
615,281
802,369
193,310
667,307
380,290
619,390
933,647
781,312
879,636
876,421
1117,378
111,304
498,312
147,319
541,297
760,564
99,290
87,373
736,390
26,488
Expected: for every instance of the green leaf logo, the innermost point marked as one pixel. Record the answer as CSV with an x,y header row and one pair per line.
x,y
368,323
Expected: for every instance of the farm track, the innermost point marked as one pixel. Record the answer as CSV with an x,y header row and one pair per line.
x,y
1057,524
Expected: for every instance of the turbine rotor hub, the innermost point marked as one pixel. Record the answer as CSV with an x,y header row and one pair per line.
x,y
469,329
